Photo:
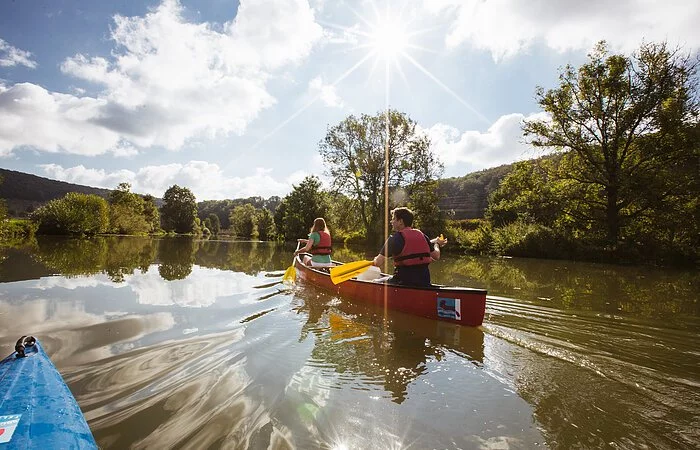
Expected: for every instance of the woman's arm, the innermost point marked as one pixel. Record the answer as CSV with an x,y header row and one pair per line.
x,y
306,248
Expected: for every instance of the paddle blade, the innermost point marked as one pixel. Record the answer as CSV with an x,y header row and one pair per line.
x,y
346,271
290,275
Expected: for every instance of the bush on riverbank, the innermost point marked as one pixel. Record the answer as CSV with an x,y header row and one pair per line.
x,y
74,214
17,230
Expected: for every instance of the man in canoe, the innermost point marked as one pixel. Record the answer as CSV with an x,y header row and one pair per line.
x,y
318,244
411,249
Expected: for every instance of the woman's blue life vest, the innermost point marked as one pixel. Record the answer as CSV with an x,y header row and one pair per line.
x,y
324,244
416,249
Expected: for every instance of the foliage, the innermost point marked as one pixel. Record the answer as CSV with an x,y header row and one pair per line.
x,y
179,210
532,191
242,221
300,207
467,197
151,213
624,126
343,214
523,238
265,224
222,208
16,229
74,214
475,238
424,203
126,212
213,224
354,154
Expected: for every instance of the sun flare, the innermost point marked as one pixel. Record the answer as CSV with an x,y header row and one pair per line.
x,y
389,39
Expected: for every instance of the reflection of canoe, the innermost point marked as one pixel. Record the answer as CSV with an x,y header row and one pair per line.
x,y
465,306
37,410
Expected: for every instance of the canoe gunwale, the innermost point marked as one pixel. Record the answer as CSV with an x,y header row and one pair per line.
x,y
435,287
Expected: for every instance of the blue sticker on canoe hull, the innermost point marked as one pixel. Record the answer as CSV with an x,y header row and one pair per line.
x,y
449,308
7,427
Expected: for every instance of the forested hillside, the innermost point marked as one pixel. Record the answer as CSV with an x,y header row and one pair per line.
x,y
24,192
462,198
467,197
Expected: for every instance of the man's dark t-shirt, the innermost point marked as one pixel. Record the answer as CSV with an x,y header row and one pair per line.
x,y
417,275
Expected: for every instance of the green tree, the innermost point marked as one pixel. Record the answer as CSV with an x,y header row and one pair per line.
x,y
179,210
354,154
214,224
242,221
424,201
74,214
150,212
126,213
300,207
265,224
343,214
533,192
621,123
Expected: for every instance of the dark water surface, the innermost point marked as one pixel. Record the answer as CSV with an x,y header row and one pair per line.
x,y
178,343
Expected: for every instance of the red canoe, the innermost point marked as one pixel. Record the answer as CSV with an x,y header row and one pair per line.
x,y
465,306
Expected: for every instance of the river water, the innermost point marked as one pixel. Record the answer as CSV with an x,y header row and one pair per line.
x,y
179,343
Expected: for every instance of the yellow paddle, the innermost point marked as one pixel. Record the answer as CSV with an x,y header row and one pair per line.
x,y
350,270
346,271
290,275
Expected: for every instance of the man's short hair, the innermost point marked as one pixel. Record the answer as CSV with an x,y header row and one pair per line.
x,y
404,214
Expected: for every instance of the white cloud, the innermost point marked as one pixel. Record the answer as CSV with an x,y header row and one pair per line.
x,y
507,27
502,143
32,116
325,92
206,180
168,81
12,56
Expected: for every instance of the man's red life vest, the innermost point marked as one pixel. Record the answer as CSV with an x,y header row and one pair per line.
x,y
324,244
416,249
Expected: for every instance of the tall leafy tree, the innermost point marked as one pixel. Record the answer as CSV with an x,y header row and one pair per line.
x,y
354,154
126,212
150,212
423,201
214,224
265,224
300,207
179,210
621,123
242,220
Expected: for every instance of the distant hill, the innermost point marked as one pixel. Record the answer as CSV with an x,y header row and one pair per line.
x,y
467,197
24,192
463,197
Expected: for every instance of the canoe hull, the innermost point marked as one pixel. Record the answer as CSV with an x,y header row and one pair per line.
x,y
37,410
452,304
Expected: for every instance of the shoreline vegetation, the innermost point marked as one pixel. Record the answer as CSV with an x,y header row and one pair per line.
x,y
618,180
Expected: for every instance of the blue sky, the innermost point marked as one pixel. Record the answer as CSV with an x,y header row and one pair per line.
x,y
230,98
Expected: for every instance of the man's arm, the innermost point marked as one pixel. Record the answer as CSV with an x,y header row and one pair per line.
x,y
436,244
386,250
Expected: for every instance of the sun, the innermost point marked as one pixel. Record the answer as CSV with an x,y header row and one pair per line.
x,y
389,39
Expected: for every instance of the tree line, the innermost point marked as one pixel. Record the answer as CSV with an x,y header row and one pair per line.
x,y
620,178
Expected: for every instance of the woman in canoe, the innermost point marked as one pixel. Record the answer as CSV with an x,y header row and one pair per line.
x,y
411,249
318,244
